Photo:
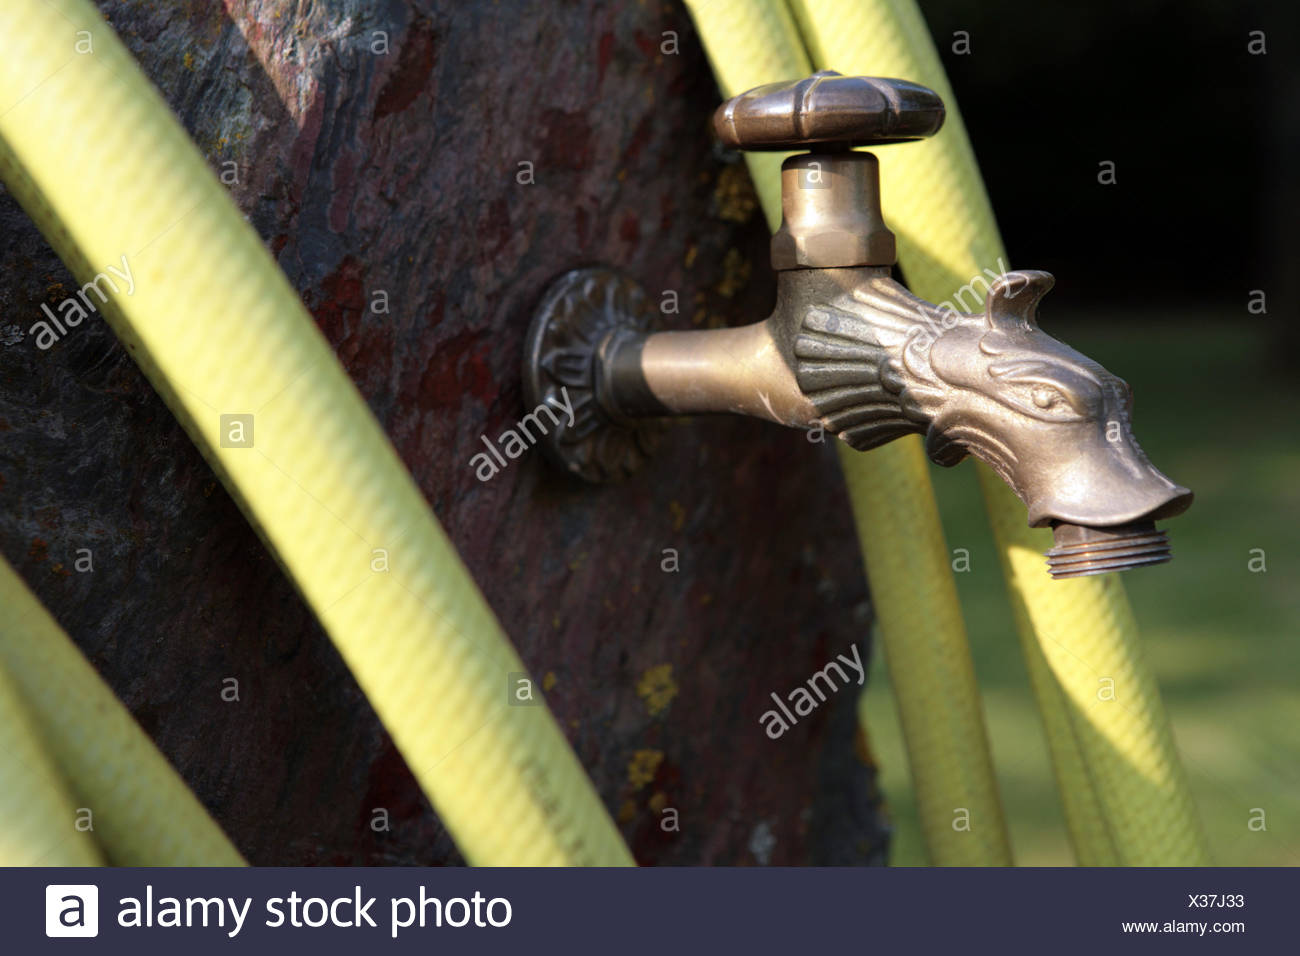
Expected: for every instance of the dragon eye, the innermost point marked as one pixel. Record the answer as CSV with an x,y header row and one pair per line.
x,y
1051,403
1049,392
1045,397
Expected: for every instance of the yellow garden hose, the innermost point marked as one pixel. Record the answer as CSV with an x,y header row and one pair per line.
x,y
940,242
95,157
41,823
1085,821
1086,633
1077,633
930,667
751,42
142,812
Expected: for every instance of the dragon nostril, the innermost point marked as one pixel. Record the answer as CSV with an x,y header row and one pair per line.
x,y
1081,550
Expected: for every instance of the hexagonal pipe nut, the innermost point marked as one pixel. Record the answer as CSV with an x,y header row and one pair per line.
x,y
831,217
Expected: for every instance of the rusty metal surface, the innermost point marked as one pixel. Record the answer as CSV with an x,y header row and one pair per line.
x,y
400,173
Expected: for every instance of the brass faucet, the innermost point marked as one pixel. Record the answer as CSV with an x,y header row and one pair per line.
x,y
850,351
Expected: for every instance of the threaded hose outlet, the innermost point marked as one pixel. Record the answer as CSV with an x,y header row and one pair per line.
x,y
1081,550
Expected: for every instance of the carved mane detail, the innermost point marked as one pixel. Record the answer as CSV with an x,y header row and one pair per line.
x,y
869,380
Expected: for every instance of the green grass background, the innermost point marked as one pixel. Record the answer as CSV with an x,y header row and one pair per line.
x,y
1216,409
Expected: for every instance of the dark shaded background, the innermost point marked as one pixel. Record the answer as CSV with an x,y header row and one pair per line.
x,y
1205,138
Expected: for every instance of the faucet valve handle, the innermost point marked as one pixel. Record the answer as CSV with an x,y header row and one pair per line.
x,y
830,197
828,112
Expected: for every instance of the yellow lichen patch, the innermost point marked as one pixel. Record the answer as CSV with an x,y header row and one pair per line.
x,y
549,680
735,273
657,688
658,801
627,812
679,514
734,196
642,767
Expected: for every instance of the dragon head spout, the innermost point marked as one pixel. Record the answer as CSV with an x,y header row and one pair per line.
x,y
1054,424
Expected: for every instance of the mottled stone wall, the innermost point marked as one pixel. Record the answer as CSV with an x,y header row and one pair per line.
x,y
377,148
